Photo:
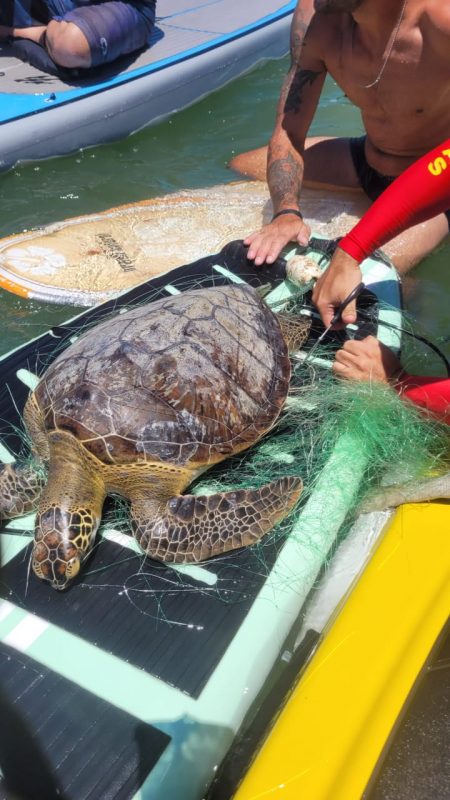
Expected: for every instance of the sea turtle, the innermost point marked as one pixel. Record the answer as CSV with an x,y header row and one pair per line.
x,y
140,406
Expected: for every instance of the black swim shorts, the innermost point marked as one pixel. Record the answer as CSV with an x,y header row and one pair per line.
x,y
372,182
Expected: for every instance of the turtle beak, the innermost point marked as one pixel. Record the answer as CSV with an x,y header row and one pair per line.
x,y
64,572
59,586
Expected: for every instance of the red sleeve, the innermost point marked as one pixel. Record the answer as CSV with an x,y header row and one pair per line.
x,y
419,193
430,393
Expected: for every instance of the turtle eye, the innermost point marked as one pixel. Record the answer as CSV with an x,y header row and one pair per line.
x,y
72,567
37,568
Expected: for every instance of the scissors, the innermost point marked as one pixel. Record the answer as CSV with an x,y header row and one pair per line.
x,y
337,316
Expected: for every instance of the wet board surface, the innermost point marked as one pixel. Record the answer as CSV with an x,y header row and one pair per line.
x,y
86,260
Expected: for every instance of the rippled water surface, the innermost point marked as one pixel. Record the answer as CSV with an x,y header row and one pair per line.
x,y
190,150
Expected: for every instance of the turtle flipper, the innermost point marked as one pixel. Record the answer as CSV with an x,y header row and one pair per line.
x,y
193,529
21,485
20,490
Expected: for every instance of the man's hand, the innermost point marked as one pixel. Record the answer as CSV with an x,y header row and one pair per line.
x,y
336,283
266,244
367,360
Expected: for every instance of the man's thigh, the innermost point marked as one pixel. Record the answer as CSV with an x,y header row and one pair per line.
x,y
414,244
328,162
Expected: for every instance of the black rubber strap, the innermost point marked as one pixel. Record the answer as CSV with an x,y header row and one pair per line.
x,y
288,211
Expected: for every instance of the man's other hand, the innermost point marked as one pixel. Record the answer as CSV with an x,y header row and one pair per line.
x,y
367,360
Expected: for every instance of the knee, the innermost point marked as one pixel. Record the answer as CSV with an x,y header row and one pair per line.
x,y
252,164
67,45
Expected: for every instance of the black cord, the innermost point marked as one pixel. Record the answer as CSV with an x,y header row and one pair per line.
x,y
416,336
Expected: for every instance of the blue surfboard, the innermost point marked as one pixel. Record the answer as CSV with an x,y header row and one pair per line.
x,y
196,47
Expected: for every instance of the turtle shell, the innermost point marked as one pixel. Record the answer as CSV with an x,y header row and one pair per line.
x,y
188,379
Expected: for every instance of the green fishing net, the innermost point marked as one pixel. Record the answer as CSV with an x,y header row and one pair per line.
x,y
379,439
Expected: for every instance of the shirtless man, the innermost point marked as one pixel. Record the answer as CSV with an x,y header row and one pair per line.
x,y
392,60
82,33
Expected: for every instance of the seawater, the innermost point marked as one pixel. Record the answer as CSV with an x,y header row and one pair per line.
x,y
189,150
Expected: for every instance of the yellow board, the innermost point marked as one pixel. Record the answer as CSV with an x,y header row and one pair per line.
x,y
88,259
329,736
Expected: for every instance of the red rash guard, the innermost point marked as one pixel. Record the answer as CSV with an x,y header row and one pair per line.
x,y
418,194
430,393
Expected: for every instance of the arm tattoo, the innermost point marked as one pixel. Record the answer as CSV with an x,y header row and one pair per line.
x,y
298,33
284,176
302,78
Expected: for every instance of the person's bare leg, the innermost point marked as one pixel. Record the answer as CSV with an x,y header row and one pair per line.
x,y
64,42
35,33
67,45
410,247
251,164
327,163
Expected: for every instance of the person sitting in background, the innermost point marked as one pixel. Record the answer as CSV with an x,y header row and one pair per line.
x,y
81,33
421,192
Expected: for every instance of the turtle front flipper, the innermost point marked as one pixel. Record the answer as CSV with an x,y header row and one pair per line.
x,y
21,485
20,489
193,529
69,511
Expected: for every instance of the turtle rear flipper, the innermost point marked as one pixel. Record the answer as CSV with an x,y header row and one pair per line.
x,y
20,490
193,529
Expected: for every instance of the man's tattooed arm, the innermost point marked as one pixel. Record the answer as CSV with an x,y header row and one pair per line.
x,y
284,173
285,159
300,23
284,176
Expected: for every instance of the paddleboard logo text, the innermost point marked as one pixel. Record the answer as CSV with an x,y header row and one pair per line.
x,y
112,248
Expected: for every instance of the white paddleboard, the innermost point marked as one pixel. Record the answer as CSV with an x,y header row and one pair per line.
x,y
86,260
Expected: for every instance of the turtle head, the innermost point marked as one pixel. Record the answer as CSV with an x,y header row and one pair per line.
x,y
62,542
